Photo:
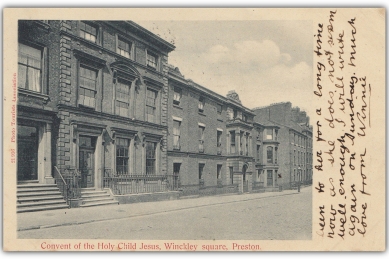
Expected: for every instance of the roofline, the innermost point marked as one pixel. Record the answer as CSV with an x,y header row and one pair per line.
x,y
167,45
225,99
266,126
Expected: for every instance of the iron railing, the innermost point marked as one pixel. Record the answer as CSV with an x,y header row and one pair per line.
x,y
122,184
69,183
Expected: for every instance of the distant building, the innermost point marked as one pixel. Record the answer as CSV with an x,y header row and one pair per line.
x,y
292,146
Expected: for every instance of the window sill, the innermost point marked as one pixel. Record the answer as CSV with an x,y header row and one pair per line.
x,y
87,108
152,68
130,58
177,106
45,98
94,44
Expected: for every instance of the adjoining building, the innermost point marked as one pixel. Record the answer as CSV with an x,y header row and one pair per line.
x,y
210,138
102,114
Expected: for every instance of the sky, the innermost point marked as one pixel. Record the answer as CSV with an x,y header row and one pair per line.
x,y
263,61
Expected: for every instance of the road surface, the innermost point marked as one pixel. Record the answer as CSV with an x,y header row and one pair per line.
x,y
287,217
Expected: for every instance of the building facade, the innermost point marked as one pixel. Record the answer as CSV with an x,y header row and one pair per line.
x,y
100,89
209,142
38,96
98,100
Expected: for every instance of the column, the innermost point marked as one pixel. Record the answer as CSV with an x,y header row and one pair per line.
x,y
237,141
238,178
157,158
228,143
47,156
99,162
249,178
132,98
250,145
131,165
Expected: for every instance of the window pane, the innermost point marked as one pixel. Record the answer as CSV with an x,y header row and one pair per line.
x,y
123,94
219,108
150,157
122,155
88,32
22,76
34,77
270,154
29,68
151,60
29,51
92,30
232,133
82,26
150,104
87,90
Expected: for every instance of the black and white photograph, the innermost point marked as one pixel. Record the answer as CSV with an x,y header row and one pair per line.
x,y
129,131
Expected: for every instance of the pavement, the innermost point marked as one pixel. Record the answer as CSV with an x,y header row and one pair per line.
x,y
77,216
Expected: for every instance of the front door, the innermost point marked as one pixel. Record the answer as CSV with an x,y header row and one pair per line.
x,y
87,161
27,153
176,175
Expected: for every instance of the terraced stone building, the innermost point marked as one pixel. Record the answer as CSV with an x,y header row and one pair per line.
x,y
103,118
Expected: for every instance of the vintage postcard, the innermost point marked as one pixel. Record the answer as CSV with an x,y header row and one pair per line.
x,y
191,129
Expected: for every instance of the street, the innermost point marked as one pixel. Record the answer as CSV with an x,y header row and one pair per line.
x,y
284,217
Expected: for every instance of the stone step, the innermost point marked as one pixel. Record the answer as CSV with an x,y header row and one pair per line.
x,y
37,189
42,203
92,192
108,198
88,189
95,195
100,203
44,207
39,198
39,193
35,185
